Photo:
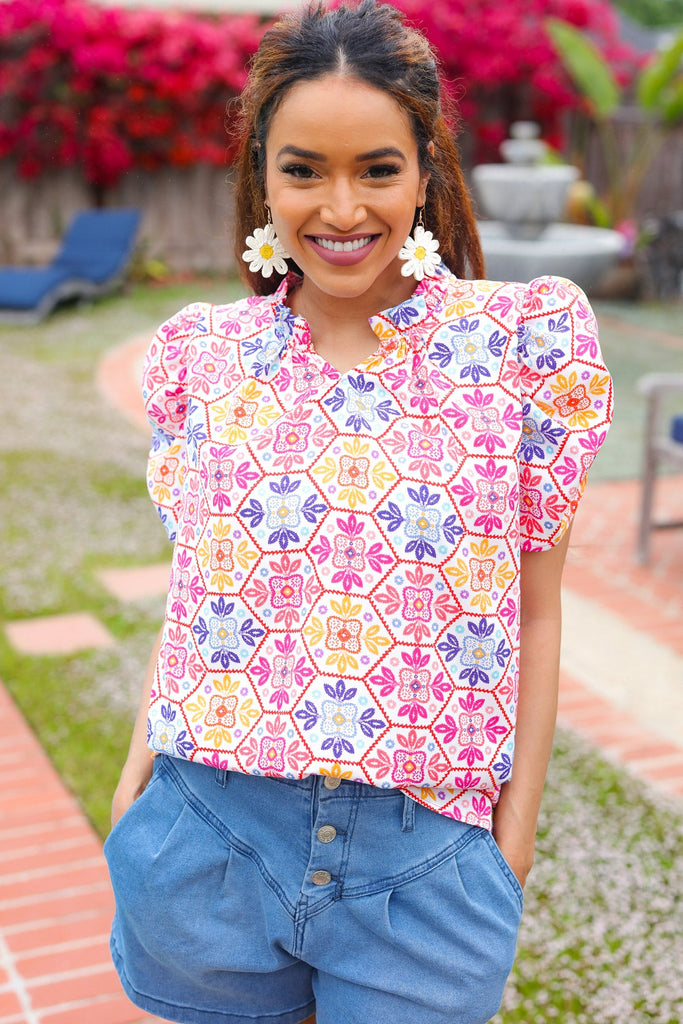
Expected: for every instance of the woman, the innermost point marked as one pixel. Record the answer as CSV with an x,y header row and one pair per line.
x,y
369,468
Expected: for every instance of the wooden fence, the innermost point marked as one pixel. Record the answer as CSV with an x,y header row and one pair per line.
x,y
188,214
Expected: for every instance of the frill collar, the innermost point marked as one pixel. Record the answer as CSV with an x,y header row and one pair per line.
x,y
399,329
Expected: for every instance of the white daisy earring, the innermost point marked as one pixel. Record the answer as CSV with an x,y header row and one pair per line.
x,y
265,251
420,253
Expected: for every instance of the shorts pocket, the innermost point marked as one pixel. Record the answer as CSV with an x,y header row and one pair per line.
x,y
188,904
505,868
136,809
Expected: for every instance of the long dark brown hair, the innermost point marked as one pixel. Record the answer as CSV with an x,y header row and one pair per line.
x,y
372,44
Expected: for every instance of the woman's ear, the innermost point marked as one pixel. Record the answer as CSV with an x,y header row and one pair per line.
x,y
424,178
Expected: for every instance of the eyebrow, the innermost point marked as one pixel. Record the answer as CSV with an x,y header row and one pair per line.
x,y
380,154
309,154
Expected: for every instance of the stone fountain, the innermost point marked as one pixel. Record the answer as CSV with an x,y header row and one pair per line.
x,y
526,199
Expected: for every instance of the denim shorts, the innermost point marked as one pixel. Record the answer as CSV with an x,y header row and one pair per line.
x,y
242,898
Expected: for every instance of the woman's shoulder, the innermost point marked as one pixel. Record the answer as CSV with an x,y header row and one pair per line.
x,y
226,320
546,288
512,303
247,307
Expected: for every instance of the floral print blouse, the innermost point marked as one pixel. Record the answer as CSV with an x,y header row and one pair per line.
x,y
344,596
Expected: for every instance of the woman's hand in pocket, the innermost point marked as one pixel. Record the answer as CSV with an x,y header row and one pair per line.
x,y
135,776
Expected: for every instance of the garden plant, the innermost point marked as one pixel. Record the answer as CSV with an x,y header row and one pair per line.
x,y
107,90
658,92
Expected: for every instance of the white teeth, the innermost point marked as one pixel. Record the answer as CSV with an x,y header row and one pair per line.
x,y
358,243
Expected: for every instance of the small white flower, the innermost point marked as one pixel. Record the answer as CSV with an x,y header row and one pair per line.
x,y
420,254
265,253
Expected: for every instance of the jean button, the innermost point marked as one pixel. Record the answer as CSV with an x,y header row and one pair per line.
x,y
327,833
321,878
330,782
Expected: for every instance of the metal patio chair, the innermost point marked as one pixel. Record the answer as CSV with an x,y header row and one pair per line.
x,y
663,445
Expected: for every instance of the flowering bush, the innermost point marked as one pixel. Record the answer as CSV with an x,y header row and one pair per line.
x,y
111,89
503,64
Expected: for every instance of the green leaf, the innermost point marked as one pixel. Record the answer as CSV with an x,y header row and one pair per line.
x,y
586,66
599,213
672,108
654,84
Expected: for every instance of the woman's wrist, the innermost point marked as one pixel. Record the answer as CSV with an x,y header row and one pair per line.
x,y
135,776
514,829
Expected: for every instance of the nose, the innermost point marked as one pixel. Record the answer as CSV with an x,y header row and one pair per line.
x,y
342,208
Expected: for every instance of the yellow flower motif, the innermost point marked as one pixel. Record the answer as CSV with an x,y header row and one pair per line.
x,y
218,554
354,470
221,712
483,570
459,308
344,636
232,418
385,332
335,772
573,403
166,470
502,573
459,572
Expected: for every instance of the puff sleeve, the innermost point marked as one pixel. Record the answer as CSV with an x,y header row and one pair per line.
x,y
566,406
164,390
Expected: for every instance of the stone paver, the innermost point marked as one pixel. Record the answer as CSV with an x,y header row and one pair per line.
x,y
137,582
58,634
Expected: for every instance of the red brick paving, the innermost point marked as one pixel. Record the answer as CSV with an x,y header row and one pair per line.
x,y
55,901
602,563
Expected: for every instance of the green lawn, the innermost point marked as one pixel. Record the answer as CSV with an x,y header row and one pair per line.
x,y
73,500
602,938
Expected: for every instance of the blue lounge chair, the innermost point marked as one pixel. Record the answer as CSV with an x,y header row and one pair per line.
x,y
91,261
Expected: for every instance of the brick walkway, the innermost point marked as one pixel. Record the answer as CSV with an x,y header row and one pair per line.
x,y
55,901
648,602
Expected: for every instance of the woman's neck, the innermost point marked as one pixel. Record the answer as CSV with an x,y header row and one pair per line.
x,y
313,304
340,326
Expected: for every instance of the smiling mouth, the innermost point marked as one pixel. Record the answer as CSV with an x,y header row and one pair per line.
x,y
337,246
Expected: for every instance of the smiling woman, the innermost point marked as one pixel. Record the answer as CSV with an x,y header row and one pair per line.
x,y
343,206
369,469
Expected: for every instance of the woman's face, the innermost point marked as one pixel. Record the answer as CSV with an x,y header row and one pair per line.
x,y
343,183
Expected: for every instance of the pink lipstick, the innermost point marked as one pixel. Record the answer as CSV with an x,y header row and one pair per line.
x,y
344,251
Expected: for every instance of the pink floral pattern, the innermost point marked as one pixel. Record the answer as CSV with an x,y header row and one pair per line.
x,y
345,586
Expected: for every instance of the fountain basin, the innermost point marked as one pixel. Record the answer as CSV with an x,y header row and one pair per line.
x,y
583,254
527,198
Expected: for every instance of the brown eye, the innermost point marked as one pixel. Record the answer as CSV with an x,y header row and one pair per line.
x,y
382,171
298,171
